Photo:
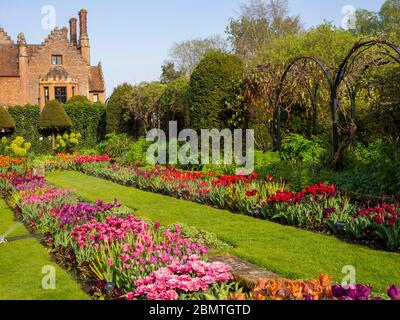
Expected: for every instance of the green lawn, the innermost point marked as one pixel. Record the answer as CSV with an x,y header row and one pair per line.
x,y
21,263
290,252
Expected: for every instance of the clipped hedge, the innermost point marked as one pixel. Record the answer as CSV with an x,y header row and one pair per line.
x,y
6,121
211,85
87,118
54,117
26,120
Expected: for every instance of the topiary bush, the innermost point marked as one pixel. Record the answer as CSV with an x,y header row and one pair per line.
x,y
211,85
7,123
115,108
54,119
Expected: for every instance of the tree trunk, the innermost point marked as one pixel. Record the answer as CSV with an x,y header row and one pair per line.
x,y
53,142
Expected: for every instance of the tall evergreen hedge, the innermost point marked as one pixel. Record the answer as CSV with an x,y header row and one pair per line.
x,y
88,119
115,108
211,85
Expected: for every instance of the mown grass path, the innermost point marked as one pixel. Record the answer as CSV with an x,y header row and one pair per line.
x,y
21,263
290,252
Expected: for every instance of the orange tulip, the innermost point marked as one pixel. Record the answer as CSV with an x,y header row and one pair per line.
x,y
325,280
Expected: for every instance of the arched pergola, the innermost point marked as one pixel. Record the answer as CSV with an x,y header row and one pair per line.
x,y
285,74
386,49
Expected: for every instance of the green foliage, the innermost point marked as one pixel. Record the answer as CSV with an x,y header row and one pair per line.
x,y
54,118
17,147
7,123
26,120
143,108
115,108
88,119
67,143
297,147
169,73
137,152
174,103
210,88
115,145
196,235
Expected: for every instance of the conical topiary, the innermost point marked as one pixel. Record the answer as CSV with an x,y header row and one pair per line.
x,y
7,123
54,119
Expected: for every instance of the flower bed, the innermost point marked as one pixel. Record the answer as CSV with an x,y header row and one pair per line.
x,y
123,257
6,161
318,208
109,247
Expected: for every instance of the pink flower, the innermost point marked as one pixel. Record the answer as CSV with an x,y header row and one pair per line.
x,y
110,262
130,296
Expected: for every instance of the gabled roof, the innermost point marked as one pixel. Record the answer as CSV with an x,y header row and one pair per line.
x,y
96,81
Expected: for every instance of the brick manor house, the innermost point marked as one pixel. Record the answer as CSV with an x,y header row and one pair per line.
x,y
59,68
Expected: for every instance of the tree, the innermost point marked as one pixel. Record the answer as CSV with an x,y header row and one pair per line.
x,y
115,108
211,85
386,22
169,73
367,23
53,119
143,106
7,123
258,24
174,103
186,55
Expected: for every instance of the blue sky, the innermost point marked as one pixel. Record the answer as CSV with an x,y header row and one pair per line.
x,y
133,38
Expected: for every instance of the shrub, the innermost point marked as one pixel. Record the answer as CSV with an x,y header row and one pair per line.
x,y
54,117
7,123
211,85
115,108
18,147
138,152
26,120
67,143
115,145
297,147
174,103
88,119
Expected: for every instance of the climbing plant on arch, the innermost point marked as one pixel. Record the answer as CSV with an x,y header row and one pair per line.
x,y
364,55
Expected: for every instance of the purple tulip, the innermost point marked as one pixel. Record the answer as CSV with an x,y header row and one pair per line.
x,y
394,293
338,291
363,292
310,297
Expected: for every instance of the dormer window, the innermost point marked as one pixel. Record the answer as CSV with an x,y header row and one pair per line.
x,y
56,60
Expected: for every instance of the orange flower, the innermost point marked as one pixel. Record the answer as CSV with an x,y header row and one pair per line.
x,y
259,294
325,280
240,297
278,298
274,287
296,290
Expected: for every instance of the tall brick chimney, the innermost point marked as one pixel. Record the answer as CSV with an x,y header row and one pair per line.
x,y
73,31
84,42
